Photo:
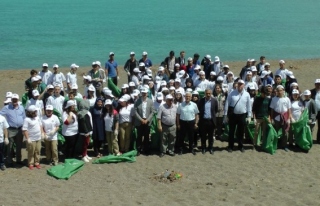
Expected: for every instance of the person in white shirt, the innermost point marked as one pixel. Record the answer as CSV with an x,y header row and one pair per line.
x,y
282,71
158,101
87,82
37,103
202,83
3,140
111,121
297,108
195,76
56,100
57,78
126,113
45,74
70,128
71,77
32,130
177,86
249,81
74,89
183,77
91,97
281,115
50,125
217,65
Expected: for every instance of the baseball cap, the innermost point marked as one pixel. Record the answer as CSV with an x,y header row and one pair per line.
x,y
108,93
181,73
141,64
145,77
45,65
55,66
126,97
35,93
254,68
144,53
144,90
240,81
208,56
226,66
189,90
290,74
50,86
177,65
220,78
230,73
49,107
8,100
149,72
201,72
132,53
317,81
280,87
160,69
169,96
125,86
107,102
189,59
307,92
264,73
195,92
251,87
97,62
94,63
249,72
137,70
213,73
32,108
159,96
74,86
163,83
34,79
111,54
164,89
87,77
294,84
91,88
295,91
267,64
282,62
75,66
131,84
8,94
70,103
197,67
177,80
216,59
172,88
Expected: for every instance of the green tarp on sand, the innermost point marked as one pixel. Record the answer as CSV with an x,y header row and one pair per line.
x,y
66,170
126,157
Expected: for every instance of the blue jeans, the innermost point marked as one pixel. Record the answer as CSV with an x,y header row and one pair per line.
x,y
1,154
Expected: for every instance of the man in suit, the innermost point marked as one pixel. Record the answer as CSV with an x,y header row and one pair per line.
x,y
208,107
182,61
143,115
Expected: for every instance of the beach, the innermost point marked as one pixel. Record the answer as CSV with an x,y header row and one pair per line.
x,y
250,178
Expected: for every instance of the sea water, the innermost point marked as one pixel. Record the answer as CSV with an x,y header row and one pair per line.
x,y
81,31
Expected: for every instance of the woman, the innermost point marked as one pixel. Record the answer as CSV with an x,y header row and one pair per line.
x,y
70,128
91,95
111,126
50,125
189,84
178,98
124,90
32,130
85,127
297,108
221,98
98,134
126,114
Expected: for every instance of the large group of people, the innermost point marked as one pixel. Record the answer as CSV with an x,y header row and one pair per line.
x,y
190,99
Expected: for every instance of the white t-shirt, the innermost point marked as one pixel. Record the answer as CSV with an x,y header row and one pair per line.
x,y
3,125
202,85
33,126
282,73
72,127
56,102
156,105
296,109
71,78
86,91
280,105
38,104
108,122
126,113
45,76
50,123
92,101
247,84
57,79
317,100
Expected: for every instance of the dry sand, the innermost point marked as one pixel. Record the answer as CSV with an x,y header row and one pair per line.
x,y
252,178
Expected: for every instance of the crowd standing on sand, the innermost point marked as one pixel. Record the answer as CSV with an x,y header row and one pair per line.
x,y
188,96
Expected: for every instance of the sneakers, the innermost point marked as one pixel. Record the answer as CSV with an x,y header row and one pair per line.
x,y
3,167
85,159
31,167
89,158
119,154
38,166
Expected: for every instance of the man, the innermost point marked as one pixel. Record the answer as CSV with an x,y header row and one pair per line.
x,y
202,83
277,82
281,115
87,82
282,71
187,122
207,65
267,68
249,81
15,114
260,110
71,78
290,78
265,79
27,83
196,60
97,77
261,64
170,61
181,60
238,109
35,100
57,78
135,78
217,65
45,73
74,89
48,92
143,115
208,107
167,126
177,86
35,85
244,70
56,100
312,109
130,65
111,69
3,140
162,75
315,95
190,68
147,62
196,74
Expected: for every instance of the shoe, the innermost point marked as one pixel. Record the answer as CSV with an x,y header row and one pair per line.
x,y
10,164
242,150
286,149
161,155
31,167
85,159
89,158
193,152
172,154
180,152
203,151
138,153
55,163
38,166
229,149
3,167
211,151
119,154
19,163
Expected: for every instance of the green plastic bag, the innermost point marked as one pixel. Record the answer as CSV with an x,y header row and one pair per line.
x,y
225,135
301,131
66,170
24,99
126,157
61,139
134,136
115,90
201,94
250,130
155,134
271,140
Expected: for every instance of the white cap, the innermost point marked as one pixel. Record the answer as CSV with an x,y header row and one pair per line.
x,y
201,72
264,73
197,67
195,92
75,66
141,64
295,91
87,77
70,103
249,72
230,73
307,92
160,69
317,81
177,80
105,89
240,81
282,62
32,108
122,99
177,65
178,91
163,83
172,88
159,96
158,79
144,53
280,87
91,88
49,107
124,86
35,93
226,66
132,53
213,73
108,93
45,65
15,96
74,86
149,72
294,84
127,97
220,78
181,73
290,74
253,60
131,84
55,66
8,94
93,63
136,92
137,70
144,90
97,62
208,56
189,90
145,77
189,59
251,87
50,86
8,100
169,96
267,64
164,89
111,53
107,102
216,59
254,69
34,79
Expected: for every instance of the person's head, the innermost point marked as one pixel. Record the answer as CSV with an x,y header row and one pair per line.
x,y
251,90
99,103
169,100
142,67
124,88
50,89
73,68
267,66
212,76
268,90
262,59
278,79
70,107
108,106
188,97
57,91
55,68
15,100
195,96
307,95
123,102
177,83
32,111
132,55
202,75
49,110
190,61
196,57
160,71
280,91
33,73
294,85
144,55
248,63
111,56
208,93
240,85
165,91
144,92
35,94
71,95
226,69
91,91
295,95
177,67
182,53
249,76
263,91
171,54
44,67
281,64
94,66
317,84
178,96
218,88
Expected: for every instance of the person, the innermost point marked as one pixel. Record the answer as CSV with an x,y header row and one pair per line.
x,y
48,92
45,73
196,60
249,82
158,101
260,66
170,61
178,98
238,109
124,90
245,69
312,109
57,78
70,128
217,65
187,122
97,78
3,140
315,95
297,108
281,115
85,127
111,69
221,98
35,85
143,115
265,79
282,71
182,60
36,102
126,114
15,115
50,124
33,132
267,68
207,65
91,95
98,134
260,110
290,79
162,75
56,100
27,83
111,126
130,65
167,126
208,107
202,83
71,77
147,62
74,90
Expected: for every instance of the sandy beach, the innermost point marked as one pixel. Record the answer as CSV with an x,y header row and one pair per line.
x,y
250,178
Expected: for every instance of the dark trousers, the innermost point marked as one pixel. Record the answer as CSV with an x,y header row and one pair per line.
x,y
1,154
187,128
143,131
219,126
70,145
97,146
15,137
206,129
239,121
318,133
114,80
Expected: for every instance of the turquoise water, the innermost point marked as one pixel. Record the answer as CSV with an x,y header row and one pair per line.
x,y
68,31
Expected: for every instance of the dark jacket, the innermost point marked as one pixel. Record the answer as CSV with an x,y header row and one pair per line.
x,y
214,109
312,110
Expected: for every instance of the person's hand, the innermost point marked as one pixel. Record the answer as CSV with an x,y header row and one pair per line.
x,y
196,126
160,128
6,141
310,121
118,77
52,132
43,136
116,132
272,122
248,120
178,127
29,141
292,120
128,73
225,119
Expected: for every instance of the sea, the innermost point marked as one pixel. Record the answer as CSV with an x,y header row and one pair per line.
x,y
82,31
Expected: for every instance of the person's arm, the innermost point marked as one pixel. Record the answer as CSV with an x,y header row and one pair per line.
x,y
178,121
117,72
136,113
106,70
159,125
151,112
196,121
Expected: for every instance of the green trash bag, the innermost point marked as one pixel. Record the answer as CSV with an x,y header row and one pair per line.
x,y
134,136
24,99
126,157
61,139
66,170
155,134
301,131
225,135
271,140
115,90
201,94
